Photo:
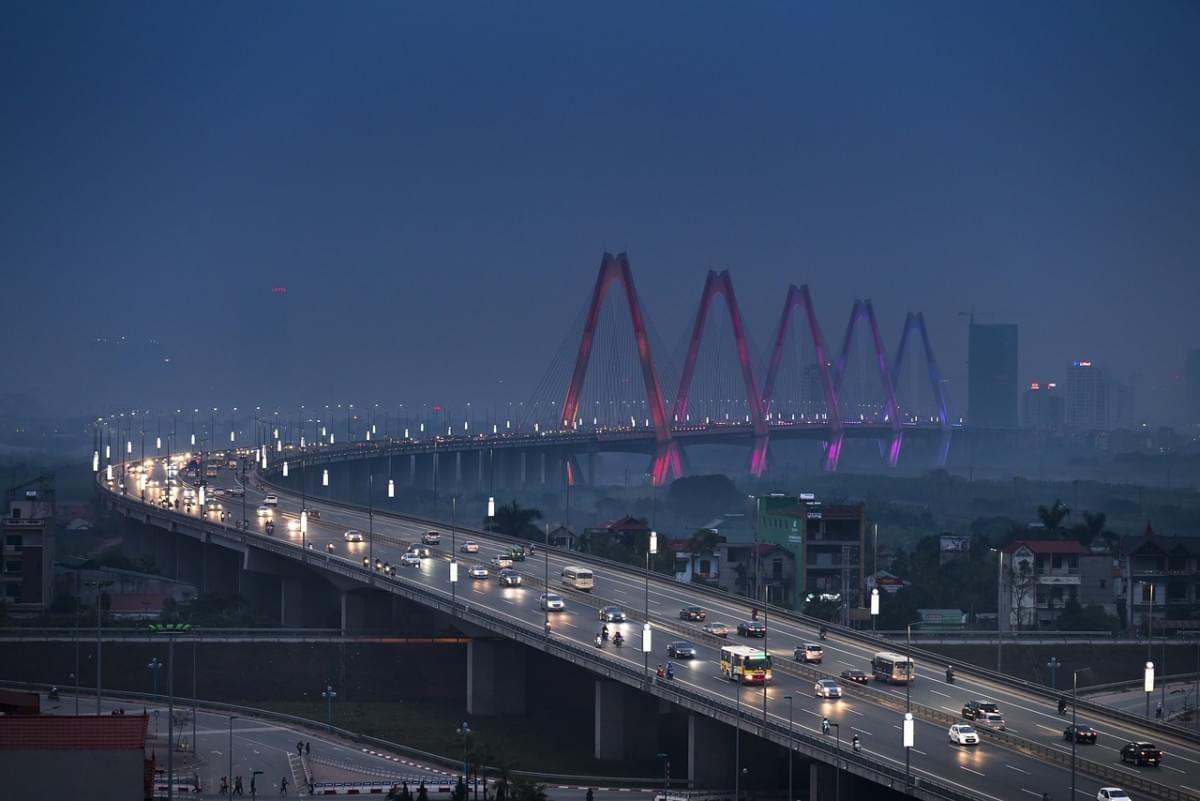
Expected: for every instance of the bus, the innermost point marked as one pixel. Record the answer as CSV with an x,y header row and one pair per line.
x,y
893,668
578,578
745,665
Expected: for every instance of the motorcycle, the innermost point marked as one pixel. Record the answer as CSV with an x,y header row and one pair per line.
x,y
949,676
670,671
823,633
856,744
618,640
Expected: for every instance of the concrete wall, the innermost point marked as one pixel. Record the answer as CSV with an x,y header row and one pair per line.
x,y
57,774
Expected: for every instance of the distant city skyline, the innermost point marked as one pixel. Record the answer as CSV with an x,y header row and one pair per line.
x,y
434,189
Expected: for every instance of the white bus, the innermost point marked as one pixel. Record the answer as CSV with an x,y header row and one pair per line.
x,y
578,578
893,668
745,665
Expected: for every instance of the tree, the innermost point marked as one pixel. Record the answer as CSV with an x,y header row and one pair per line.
x,y
1022,583
822,608
1052,517
1074,617
1091,528
704,497
527,790
516,521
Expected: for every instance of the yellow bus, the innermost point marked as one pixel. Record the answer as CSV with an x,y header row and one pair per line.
x,y
745,665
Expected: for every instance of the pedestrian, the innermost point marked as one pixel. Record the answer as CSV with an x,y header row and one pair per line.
x,y
1158,710
299,748
237,785
307,748
253,789
224,785
283,785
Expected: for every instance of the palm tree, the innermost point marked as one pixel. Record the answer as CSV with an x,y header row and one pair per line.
x,y
1092,527
1052,517
516,521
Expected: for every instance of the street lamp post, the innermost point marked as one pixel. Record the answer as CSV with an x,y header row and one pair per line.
x,y
791,747
908,718
1000,612
837,784
651,548
229,778
99,585
328,694
1148,686
155,665
909,738
464,731
1054,665
874,607
737,742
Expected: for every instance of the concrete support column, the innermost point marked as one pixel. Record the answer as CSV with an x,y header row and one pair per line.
x,y
495,677
710,754
291,602
458,472
354,610
524,470
822,783
412,469
542,463
610,720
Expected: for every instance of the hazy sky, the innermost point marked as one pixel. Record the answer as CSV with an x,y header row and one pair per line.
x,y
434,185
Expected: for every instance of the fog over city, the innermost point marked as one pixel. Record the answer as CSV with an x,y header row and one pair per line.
x,y
386,203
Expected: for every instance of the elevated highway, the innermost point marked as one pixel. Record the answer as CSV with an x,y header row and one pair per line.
x,y
1028,760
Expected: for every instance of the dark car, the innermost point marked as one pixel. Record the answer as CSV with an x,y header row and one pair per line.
x,y
973,710
692,613
856,676
681,649
1141,753
612,614
752,628
313,514
1083,734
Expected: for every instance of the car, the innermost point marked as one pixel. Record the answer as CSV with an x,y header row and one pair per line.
x,y
470,546
479,572
420,551
1141,753
293,525
410,560
856,676
974,710
271,500
517,552
681,649
217,492
1112,794
237,492
353,535
509,578
501,561
752,628
313,514
963,734
827,688
991,720
431,538
717,629
692,613
612,614
1082,734
551,602
809,653
263,511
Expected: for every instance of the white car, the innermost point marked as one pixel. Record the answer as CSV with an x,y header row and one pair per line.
x,y
479,572
964,734
827,688
551,602
1112,794
264,511
353,535
431,538
991,720
271,500
470,546
501,562
410,560
419,551
293,525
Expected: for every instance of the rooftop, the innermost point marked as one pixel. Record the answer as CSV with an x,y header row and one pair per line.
x,y
66,732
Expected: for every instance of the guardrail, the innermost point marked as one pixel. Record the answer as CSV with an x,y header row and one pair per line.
x,y
572,652
864,637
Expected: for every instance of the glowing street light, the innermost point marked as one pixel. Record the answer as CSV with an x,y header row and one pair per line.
x,y
325,477
391,488
285,468
874,606
491,507
95,461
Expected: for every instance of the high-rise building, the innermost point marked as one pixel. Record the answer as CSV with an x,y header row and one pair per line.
x,y
1192,398
992,375
1087,397
1042,407
1119,405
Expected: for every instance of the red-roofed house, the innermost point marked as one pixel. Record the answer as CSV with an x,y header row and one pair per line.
x,y
1041,576
60,756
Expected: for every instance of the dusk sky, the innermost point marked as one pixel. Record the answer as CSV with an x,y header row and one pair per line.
x,y
435,184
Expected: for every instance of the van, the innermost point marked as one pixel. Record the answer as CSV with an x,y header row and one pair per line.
x,y
578,578
271,500
233,463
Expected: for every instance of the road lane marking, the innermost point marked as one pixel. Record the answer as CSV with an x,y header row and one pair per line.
x,y
969,770
1018,770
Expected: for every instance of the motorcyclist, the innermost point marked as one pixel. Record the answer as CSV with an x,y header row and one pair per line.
x,y
949,674
53,693
599,641
660,672
856,743
1062,706
618,640
824,631
670,670
754,613
604,631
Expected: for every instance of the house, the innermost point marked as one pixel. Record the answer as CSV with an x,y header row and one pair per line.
x,y
137,605
563,537
1159,582
1041,576
773,565
702,565
628,531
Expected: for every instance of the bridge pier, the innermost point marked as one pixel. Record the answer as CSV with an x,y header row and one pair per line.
x,y
495,677
626,722
823,784
710,753
291,602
